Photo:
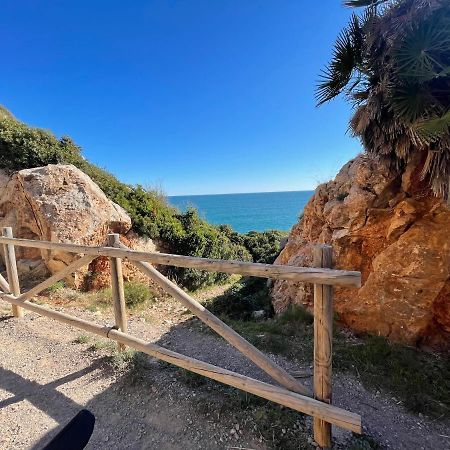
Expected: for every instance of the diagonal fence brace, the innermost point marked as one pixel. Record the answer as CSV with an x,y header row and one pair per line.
x,y
235,339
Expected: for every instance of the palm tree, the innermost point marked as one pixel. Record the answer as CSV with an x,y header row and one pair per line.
x,y
393,63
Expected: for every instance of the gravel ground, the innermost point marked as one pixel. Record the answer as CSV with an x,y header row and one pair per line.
x,y
48,371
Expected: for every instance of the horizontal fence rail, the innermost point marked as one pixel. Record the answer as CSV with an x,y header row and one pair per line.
x,y
332,277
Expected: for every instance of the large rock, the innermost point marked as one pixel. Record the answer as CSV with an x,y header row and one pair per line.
x,y
57,203
391,228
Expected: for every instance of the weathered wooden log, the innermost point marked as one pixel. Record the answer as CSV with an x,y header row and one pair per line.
x,y
235,339
4,285
72,267
11,270
118,293
329,413
302,274
323,337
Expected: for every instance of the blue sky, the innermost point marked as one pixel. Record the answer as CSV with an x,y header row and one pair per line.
x,y
198,97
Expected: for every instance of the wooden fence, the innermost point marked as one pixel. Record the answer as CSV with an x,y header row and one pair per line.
x,y
291,393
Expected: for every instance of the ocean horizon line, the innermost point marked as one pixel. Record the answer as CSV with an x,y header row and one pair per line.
x,y
240,193
248,211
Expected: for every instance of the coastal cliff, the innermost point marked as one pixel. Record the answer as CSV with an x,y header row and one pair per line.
x,y
389,226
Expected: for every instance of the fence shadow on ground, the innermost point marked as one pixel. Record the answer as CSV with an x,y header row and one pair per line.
x,y
149,404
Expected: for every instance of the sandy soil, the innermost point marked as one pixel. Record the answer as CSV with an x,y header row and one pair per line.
x,y
47,375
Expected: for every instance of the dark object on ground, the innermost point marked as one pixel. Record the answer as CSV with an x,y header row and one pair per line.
x,y
76,434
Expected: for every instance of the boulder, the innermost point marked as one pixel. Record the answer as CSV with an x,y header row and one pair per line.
x,y
57,203
389,226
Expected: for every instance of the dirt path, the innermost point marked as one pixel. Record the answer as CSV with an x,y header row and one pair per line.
x,y
48,371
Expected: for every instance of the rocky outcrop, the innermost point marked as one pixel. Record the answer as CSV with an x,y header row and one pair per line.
x,y
57,203
99,275
391,228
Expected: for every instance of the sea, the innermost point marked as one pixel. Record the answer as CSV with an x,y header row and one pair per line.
x,y
258,211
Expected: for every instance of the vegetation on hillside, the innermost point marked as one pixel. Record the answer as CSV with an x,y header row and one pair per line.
x,y
263,246
393,64
186,233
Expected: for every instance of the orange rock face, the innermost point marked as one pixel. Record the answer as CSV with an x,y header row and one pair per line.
x,y
390,227
99,271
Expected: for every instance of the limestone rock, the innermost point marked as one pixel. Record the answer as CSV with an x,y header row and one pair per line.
x,y
57,203
391,228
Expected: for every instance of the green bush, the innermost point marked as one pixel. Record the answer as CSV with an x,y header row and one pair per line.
x,y
264,246
194,236
55,287
136,293
23,147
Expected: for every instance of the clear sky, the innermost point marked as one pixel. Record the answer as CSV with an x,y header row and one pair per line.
x,y
196,96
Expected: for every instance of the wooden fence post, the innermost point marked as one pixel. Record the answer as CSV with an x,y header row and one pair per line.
x,y
11,270
323,335
118,292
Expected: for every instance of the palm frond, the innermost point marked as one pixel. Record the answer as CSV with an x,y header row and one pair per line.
x,y
336,76
433,129
411,101
363,3
347,54
356,36
424,53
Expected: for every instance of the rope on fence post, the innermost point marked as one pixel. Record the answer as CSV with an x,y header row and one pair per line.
x,y
118,293
323,335
11,270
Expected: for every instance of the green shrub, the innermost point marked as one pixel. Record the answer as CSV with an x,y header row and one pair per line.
x,y
196,237
125,359
82,339
242,299
136,293
24,147
264,246
55,287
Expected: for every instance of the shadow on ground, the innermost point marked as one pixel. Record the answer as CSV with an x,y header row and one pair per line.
x,y
141,403
144,403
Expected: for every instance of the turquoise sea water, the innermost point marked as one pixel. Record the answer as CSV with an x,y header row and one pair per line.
x,y
247,212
